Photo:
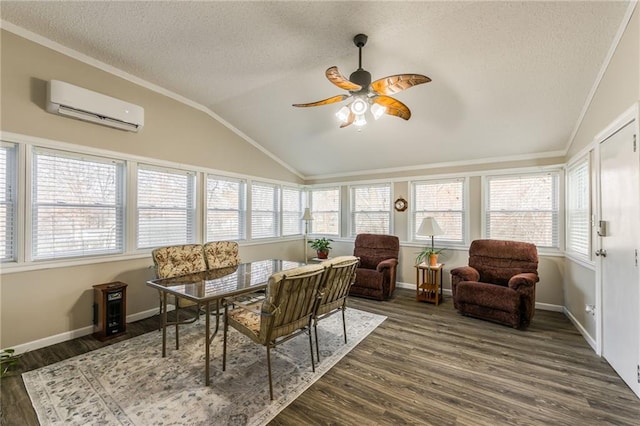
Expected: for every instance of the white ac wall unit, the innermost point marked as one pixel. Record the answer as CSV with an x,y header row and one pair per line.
x,y
82,104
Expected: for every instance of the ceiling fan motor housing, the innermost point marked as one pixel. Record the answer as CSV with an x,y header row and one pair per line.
x,y
362,78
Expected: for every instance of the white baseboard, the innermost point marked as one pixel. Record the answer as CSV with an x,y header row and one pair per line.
x,y
590,340
447,291
73,334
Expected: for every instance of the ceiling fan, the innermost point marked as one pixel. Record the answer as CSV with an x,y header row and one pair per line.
x,y
365,94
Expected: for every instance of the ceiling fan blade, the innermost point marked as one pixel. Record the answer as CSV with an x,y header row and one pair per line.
x,y
349,121
397,83
393,106
339,80
331,100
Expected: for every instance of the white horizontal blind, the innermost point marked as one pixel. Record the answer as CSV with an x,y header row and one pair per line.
x,y
578,208
325,209
370,209
291,211
226,208
264,210
166,207
8,205
523,208
77,205
444,201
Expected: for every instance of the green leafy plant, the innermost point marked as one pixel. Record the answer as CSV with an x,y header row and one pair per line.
x,y
425,253
8,359
322,245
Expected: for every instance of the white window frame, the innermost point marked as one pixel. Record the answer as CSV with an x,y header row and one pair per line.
x,y
118,206
578,193
10,202
414,225
274,211
240,210
294,213
353,209
189,209
315,212
555,212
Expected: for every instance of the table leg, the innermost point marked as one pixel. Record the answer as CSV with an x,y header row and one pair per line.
x,y
163,317
206,344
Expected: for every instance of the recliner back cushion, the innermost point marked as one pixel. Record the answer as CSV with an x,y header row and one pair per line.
x,y
374,248
498,260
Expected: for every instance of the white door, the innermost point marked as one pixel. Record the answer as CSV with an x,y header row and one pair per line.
x,y
620,211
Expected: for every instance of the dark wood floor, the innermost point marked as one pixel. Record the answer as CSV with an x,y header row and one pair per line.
x,y
429,365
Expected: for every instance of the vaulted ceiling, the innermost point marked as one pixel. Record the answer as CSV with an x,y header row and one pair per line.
x,y
510,79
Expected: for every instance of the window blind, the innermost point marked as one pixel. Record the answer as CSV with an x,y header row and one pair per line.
x,y
264,210
578,209
523,208
77,205
291,211
370,209
8,193
226,208
166,207
325,209
443,200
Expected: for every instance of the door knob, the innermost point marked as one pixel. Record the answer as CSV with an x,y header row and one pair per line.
x,y
601,252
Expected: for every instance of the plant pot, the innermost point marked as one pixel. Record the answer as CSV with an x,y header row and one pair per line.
x,y
433,259
322,254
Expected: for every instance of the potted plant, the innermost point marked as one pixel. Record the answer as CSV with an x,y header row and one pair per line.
x,y
321,246
430,255
8,359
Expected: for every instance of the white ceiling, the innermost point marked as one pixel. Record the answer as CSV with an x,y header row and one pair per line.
x,y
510,79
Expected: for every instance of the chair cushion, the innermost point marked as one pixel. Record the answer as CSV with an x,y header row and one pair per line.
x,y
373,249
221,254
498,260
488,295
178,260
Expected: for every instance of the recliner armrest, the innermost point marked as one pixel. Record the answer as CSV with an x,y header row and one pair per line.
x,y
466,273
387,263
527,279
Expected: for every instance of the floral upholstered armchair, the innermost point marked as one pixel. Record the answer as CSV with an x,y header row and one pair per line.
x,y
500,282
221,254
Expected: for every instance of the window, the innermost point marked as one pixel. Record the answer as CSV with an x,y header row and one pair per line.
x,y
166,207
77,205
578,209
291,211
370,209
523,208
265,212
443,200
325,208
226,208
8,187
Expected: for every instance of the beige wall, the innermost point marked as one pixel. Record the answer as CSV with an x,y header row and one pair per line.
x,y
618,90
42,303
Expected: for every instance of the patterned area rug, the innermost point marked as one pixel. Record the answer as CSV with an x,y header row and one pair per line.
x,y
129,383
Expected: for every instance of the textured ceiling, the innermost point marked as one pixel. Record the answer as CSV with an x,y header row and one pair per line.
x,y
509,78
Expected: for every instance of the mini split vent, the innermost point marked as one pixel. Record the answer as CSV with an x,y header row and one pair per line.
x,y
82,104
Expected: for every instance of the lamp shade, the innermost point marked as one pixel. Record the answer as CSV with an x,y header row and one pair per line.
x,y
429,227
307,214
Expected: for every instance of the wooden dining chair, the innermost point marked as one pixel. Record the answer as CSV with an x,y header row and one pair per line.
x,y
286,312
339,276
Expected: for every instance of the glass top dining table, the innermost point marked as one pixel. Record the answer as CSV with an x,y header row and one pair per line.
x,y
213,286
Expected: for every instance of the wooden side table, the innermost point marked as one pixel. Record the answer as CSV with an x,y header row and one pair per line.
x,y
429,283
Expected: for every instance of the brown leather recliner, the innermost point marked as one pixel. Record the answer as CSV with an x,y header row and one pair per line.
x,y
500,282
376,275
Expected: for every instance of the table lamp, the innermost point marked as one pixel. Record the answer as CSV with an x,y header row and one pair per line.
x,y
307,218
428,228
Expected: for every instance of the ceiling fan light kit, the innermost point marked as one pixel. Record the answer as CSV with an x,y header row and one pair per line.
x,y
367,95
